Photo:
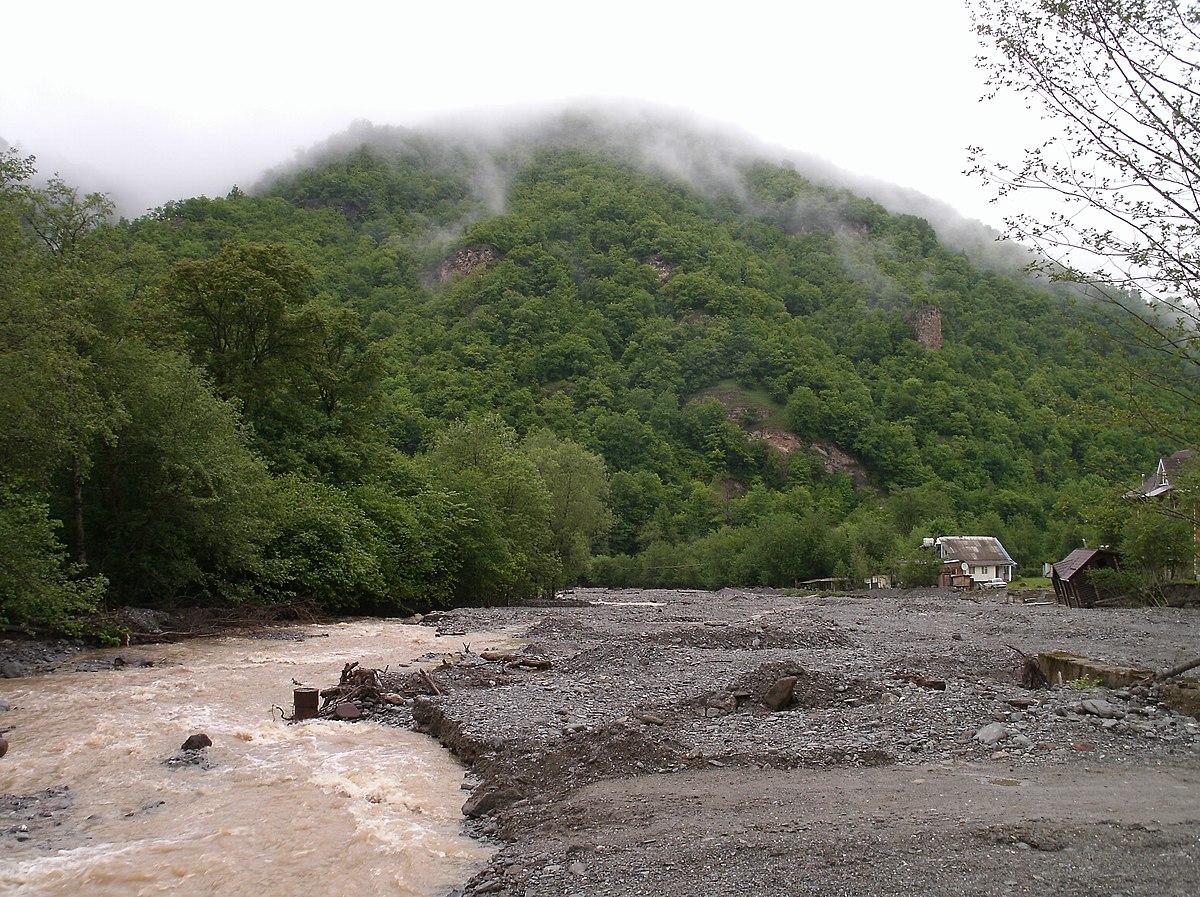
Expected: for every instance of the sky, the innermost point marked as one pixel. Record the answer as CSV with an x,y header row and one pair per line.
x,y
153,101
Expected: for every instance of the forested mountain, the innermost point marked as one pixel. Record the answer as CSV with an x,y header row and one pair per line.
x,y
419,369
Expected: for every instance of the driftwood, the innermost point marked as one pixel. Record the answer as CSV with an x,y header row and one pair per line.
x,y
1178,670
356,685
1031,671
522,660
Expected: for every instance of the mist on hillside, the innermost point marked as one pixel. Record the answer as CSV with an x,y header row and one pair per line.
x,y
709,156
491,147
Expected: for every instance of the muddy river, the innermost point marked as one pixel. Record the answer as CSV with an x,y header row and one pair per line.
x,y
315,808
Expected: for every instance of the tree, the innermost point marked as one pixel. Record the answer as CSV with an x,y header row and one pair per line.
x,y
578,484
242,312
1120,80
506,547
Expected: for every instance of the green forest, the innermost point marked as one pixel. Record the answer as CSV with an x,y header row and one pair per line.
x,y
414,372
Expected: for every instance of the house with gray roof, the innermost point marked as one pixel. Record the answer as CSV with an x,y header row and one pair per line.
x,y
982,558
1161,484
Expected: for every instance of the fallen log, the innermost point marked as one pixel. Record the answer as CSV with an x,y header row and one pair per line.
x,y
1177,670
524,660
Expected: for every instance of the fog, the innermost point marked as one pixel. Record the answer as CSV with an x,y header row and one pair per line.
x,y
152,102
708,155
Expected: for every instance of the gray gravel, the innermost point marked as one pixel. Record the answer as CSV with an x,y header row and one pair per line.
x,y
909,761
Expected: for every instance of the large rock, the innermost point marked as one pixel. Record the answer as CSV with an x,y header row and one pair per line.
x,y
1102,708
12,670
779,695
197,742
484,800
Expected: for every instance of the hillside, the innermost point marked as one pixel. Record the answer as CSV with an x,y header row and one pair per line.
x,y
422,369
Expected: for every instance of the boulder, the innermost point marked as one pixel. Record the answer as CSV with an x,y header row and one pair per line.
x,y
3,745
484,800
1103,709
779,695
197,742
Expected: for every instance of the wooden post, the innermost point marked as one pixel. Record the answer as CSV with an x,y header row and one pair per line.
x,y
305,702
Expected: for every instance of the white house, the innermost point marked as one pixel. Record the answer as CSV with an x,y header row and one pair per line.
x,y
982,558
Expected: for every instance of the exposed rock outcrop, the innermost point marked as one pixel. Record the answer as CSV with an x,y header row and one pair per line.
x,y
467,261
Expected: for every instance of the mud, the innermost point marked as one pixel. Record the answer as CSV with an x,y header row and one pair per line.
x,y
909,760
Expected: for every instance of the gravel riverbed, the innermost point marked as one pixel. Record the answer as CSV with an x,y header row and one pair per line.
x,y
909,759
758,743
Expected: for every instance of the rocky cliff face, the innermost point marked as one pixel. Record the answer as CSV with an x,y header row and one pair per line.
x,y
927,323
465,261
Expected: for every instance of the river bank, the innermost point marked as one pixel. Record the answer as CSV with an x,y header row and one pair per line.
x,y
909,760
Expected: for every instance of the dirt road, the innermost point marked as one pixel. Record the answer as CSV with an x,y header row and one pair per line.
x,y
907,760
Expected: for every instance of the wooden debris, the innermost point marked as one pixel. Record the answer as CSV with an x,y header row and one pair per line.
x,y
1032,674
1178,670
531,661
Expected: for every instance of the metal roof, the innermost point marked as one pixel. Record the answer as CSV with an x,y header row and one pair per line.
x,y
1076,561
1163,479
974,549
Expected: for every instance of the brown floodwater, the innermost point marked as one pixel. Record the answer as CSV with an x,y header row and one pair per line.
x,y
313,808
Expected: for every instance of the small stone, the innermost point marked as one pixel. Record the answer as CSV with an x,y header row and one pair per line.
x,y
577,868
720,703
991,733
12,670
131,660
3,745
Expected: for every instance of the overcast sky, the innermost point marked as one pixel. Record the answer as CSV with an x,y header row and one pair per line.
x,y
161,100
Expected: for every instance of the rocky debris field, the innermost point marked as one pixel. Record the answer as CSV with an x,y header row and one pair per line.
x,y
763,744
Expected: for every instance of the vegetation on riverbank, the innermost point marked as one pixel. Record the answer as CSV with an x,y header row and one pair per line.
x,y
366,388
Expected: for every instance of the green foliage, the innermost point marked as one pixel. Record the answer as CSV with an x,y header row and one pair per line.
x,y
578,484
285,397
506,546
324,548
38,587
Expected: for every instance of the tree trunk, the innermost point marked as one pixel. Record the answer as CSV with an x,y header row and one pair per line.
x,y
77,488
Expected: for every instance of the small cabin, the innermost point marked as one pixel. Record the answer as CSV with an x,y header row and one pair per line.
x,y
1072,583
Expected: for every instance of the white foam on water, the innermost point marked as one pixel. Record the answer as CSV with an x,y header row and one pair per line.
x,y
280,803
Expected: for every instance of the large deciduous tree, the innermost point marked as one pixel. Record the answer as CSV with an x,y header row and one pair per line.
x,y
1118,80
242,312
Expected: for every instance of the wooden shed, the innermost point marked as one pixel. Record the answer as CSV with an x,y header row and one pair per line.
x,y
1072,584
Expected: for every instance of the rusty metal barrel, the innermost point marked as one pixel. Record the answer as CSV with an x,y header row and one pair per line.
x,y
305,702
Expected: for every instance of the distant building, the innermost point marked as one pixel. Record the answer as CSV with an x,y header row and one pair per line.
x,y
1162,483
1072,583
1165,487
973,561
